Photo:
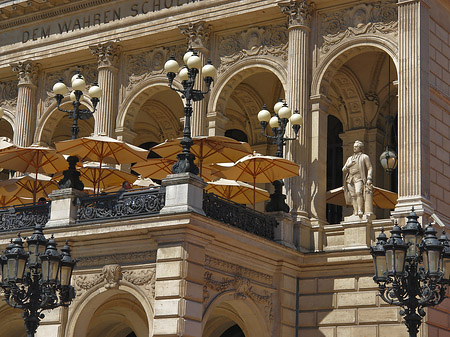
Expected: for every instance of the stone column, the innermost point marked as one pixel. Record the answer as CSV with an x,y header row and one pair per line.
x,y
318,161
299,16
108,62
413,108
216,123
197,34
25,121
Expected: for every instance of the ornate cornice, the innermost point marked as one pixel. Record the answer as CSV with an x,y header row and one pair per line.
x,y
132,257
298,12
27,72
107,54
197,34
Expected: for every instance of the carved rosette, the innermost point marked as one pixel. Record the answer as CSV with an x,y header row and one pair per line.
x,y
298,12
27,72
197,34
266,40
373,18
107,54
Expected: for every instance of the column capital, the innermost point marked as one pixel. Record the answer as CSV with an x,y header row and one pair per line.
x,y
107,54
298,12
27,71
197,34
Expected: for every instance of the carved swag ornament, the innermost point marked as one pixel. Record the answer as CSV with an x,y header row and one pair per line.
x,y
373,18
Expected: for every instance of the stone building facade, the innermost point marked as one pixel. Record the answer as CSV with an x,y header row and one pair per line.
x,y
344,65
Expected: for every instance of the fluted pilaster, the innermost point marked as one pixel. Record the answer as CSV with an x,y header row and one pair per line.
x,y
197,35
413,114
299,16
108,62
25,121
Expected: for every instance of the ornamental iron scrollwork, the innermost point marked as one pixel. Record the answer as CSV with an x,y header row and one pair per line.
x,y
24,217
121,205
239,216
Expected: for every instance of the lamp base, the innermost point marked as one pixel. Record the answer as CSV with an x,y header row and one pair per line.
x,y
185,164
277,201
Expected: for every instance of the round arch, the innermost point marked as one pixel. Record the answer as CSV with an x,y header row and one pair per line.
x,y
126,303
225,311
7,124
51,117
15,326
334,60
233,76
138,96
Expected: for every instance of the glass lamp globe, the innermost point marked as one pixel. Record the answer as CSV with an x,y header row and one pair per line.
x,y
278,105
79,84
296,119
187,56
273,122
194,62
59,88
184,74
95,91
284,112
264,115
171,66
74,77
209,70
388,160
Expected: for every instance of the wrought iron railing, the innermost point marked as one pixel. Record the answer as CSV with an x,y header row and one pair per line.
x,y
239,216
24,216
121,205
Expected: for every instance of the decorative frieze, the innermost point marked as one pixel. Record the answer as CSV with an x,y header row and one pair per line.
x,y
142,66
132,257
231,268
267,40
298,12
8,93
370,18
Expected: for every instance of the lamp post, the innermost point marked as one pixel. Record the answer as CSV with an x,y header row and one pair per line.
x,y
36,280
278,124
78,86
187,75
412,269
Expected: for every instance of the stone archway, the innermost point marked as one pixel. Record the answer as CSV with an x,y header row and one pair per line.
x,y
7,125
116,312
225,311
15,326
151,112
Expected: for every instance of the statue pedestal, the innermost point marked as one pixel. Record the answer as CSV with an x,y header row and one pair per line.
x,y
63,208
357,230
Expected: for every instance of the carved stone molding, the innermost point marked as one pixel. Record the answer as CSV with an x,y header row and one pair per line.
x,y
133,257
8,93
298,12
231,268
267,40
107,54
142,66
143,278
373,18
242,289
27,72
197,34
89,72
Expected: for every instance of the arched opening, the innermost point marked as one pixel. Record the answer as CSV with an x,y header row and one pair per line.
x,y
6,129
237,135
361,86
234,331
15,326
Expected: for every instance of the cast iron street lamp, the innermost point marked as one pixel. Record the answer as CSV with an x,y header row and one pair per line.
x,y
278,124
78,85
36,280
187,76
412,269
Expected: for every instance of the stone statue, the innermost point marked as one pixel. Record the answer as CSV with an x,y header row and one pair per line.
x,y
358,186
